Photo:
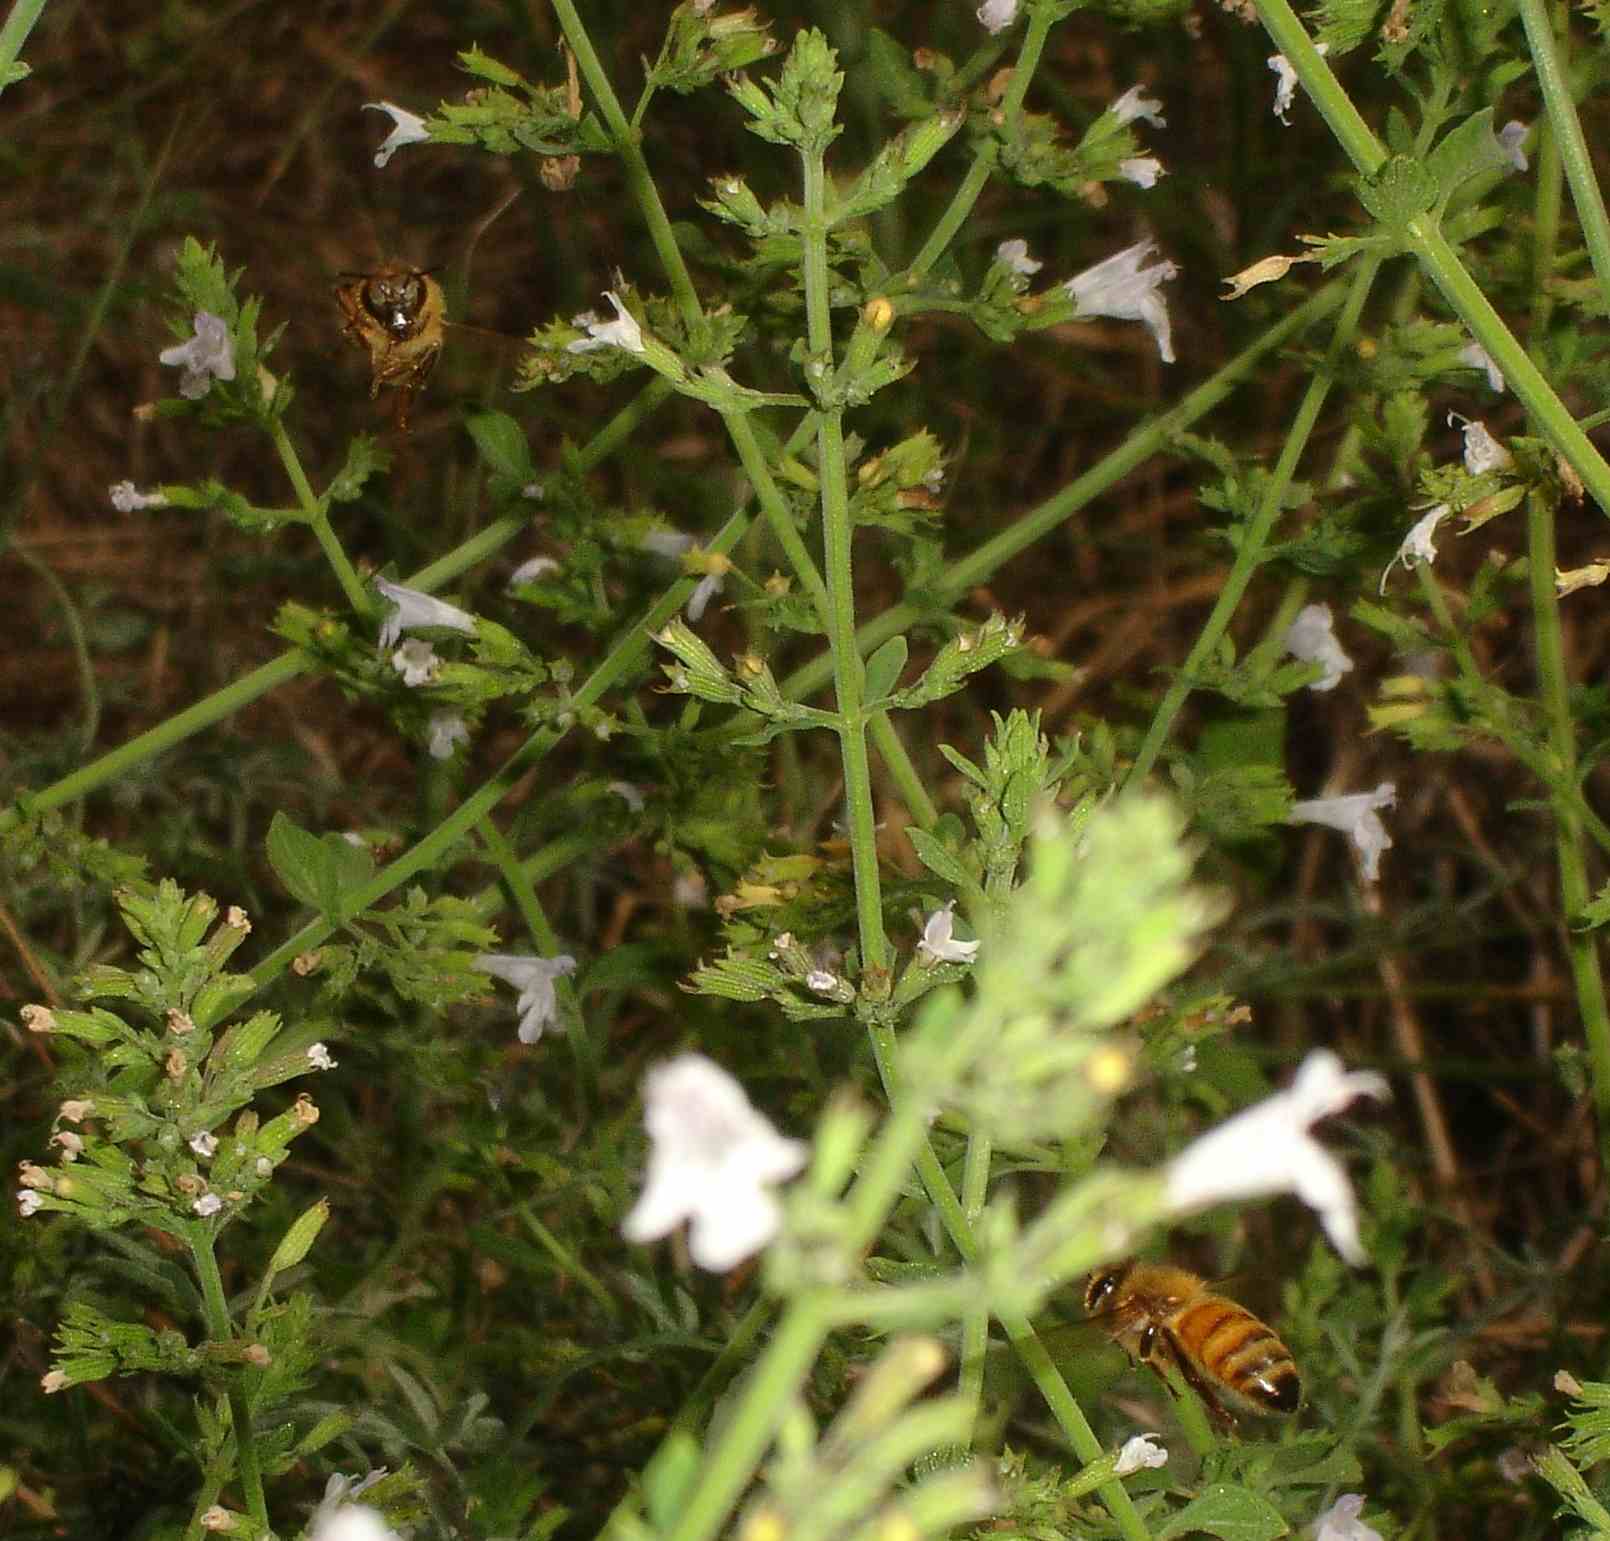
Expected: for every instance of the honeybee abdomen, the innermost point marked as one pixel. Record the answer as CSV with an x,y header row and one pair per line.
x,y
1240,1352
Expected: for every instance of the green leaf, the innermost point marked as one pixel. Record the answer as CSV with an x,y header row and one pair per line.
x,y
1231,1513
939,859
668,1478
1465,152
883,669
318,871
1400,191
501,442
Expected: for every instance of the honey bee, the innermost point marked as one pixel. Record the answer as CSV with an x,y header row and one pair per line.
x,y
399,314
1166,1316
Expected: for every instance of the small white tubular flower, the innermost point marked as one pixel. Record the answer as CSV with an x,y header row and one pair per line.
x,y
1511,137
203,1144
630,795
1267,1149
1341,1521
704,591
1312,639
1417,547
128,499
1142,170
622,332
207,1205
1357,816
407,128
1124,289
713,1160
997,15
415,609
1140,1453
28,1202
318,1056
351,1522
417,662
342,1489
1015,255
447,731
1134,103
1482,451
531,571
670,544
1474,356
938,945
209,355
1286,82
538,1005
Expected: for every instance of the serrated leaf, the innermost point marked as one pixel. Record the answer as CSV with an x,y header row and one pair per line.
x,y
1231,1513
883,669
939,859
1400,191
317,870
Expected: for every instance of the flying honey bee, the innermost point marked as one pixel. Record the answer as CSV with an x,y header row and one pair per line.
x,y
399,314
1166,1316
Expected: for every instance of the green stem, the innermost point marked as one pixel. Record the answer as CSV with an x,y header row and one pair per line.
x,y
24,13
1554,689
769,1392
318,517
1566,128
221,1330
978,173
1249,552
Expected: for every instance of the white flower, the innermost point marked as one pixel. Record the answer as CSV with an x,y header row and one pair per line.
x,y
28,1202
1139,1453
937,944
128,499
533,978
622,332
1356,816
529,572
822,981
203,1144
1286,82
1511,137
407,128
341,1489
533,491
1142,170
703,592
670,544
1474,356
416,609
713,1160
1341,1521
207,1205
318,1056
351,1522
71,1145
1311,638
1120,287
263,1167
209,355
628,794
1482,451
1015,255
997,15
417,662
1134,103
1267,1149
1417,547
447,729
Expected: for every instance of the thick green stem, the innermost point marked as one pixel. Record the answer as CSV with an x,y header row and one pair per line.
x,y
1566,128
1554,689
221,1330
1249,553
24,13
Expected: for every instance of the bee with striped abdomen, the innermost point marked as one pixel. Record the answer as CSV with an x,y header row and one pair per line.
x,y
1168,1316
